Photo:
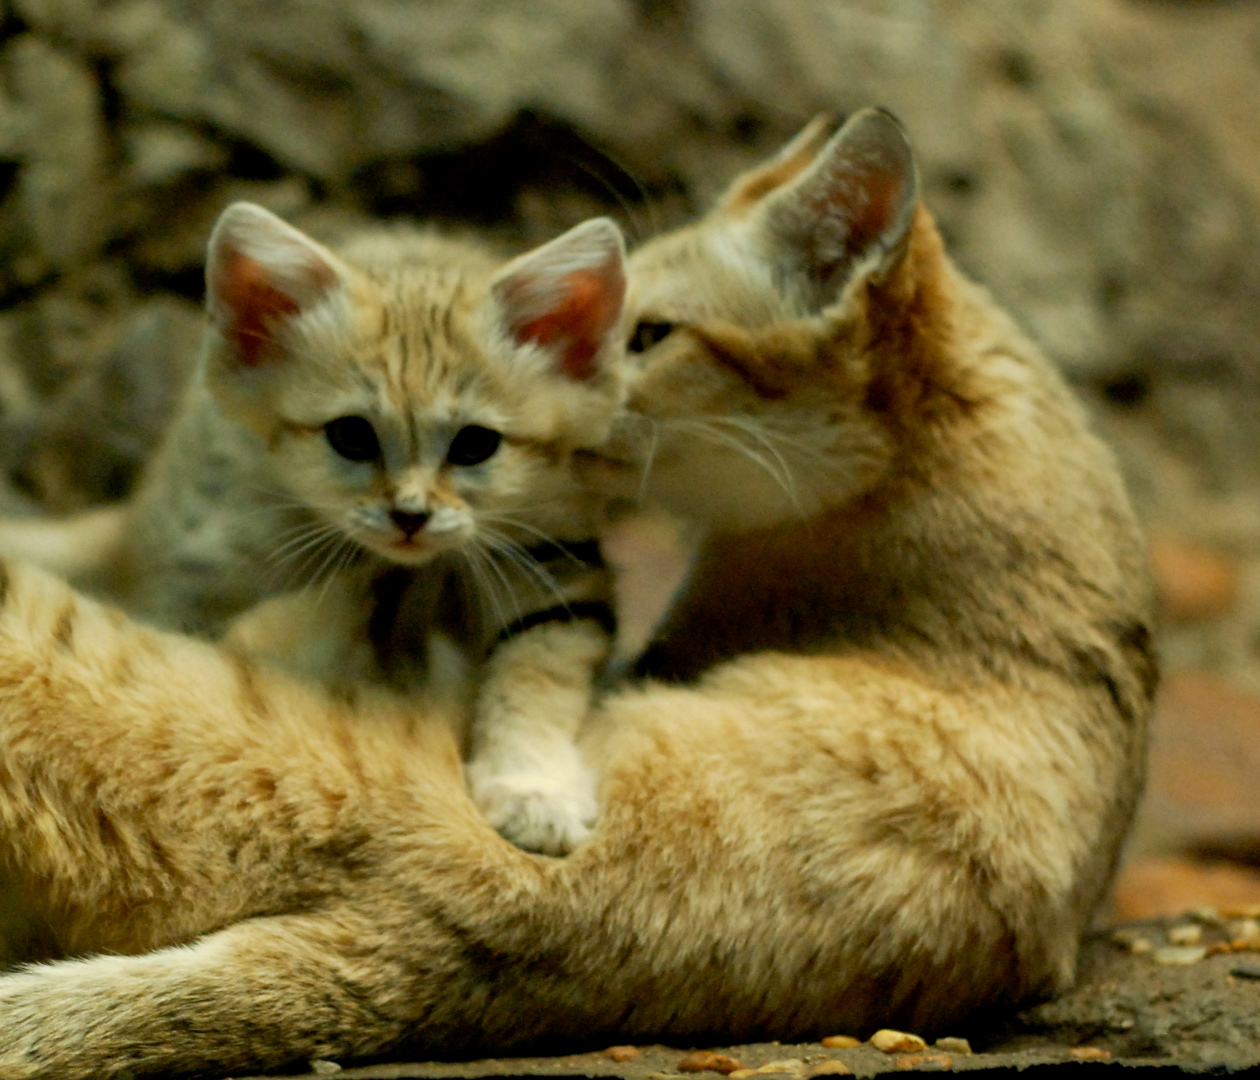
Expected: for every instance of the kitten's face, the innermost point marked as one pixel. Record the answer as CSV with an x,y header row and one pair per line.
x,y
747,401
421,400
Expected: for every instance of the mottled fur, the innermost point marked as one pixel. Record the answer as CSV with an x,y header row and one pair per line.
x,y
912,674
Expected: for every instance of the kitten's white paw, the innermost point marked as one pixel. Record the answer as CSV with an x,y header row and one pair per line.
x,y
533,810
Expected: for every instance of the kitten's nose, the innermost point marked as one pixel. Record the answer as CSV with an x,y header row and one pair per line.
x,y
409,524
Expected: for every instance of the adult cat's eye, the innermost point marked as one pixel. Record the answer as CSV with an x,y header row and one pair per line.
x,y
647,333
353,438
473,444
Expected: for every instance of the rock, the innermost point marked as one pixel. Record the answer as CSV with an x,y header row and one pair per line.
x,y
1192,582
951,1045
322,1067
832,1067
64,189
623,1053
840,1042
897,1042
1179,954
1090,1053
1185,934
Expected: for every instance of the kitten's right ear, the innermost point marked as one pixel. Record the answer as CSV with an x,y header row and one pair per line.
x,y
260,271
848,214
566,297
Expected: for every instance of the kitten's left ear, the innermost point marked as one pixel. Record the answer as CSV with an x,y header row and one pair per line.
x,y
849,213
566,296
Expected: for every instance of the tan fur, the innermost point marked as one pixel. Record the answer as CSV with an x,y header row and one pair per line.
x,y
897,807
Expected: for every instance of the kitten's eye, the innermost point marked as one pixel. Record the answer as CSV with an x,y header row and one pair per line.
x,y
353,438
647,333
472,445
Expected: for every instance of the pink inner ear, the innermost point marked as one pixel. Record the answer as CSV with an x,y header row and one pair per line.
x,y
577,324
254,303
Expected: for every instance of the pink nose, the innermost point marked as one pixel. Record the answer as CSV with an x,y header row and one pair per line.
x,y
408,524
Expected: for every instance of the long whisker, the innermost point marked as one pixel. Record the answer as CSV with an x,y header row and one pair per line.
x,y
519,556
487,588
774,466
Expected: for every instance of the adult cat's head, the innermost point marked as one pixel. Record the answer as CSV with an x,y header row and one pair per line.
x,y
407,390
781,338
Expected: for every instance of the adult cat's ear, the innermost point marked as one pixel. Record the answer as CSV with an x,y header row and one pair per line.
x,y
749,187
848,214
260,271
566,297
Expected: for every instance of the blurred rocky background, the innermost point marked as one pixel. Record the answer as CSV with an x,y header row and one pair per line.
x,y
1095,162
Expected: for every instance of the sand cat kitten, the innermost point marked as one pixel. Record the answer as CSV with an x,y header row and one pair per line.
x,y
404,401
893,796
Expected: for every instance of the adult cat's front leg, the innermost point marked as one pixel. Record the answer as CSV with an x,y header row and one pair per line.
x,y
526,773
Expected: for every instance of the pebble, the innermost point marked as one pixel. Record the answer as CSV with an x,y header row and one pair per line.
x,y
1133,941
830,1067
1179,955
324,1068
1245,929
707,1061
951,1045
1209,916
623,1053
926,1062
1090,1053
841,1042
1185,934
897,1042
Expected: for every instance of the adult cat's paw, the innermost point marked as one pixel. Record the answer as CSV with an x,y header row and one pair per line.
x,y
536,811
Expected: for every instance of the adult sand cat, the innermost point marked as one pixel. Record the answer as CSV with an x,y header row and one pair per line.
x,y
898,806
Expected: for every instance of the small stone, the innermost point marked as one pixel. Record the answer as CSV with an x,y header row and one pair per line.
x,y
897,1042
1246,971
841,1042
742,1074
707,1061
324,1068
1185,934
951,1045
1209,916
1179,955
926,1062
1090,1053
787,1065
1244,929
830,1067
623,1053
